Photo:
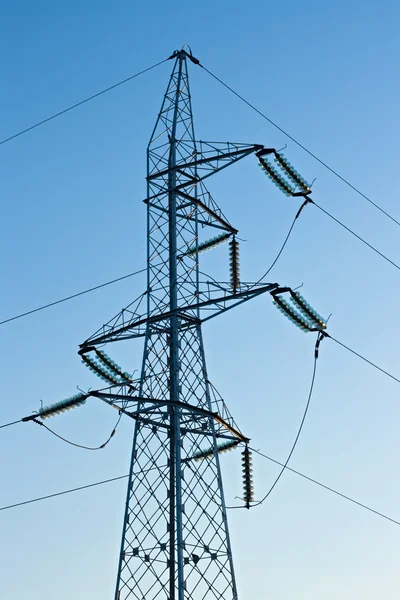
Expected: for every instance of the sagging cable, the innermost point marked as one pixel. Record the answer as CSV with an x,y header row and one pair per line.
x,y
247,469
60,437
209,453
234,264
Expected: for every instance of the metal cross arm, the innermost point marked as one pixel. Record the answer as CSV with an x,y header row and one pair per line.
x,y
211,157
112,400
191,200
212,219
224,157
217,305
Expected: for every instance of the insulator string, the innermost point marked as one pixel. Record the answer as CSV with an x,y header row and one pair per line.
x,y
234,264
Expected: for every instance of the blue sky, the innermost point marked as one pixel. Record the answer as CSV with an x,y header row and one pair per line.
x,y
72,217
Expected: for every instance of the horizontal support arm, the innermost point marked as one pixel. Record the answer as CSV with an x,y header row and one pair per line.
x,y
111,398
234,298
208,159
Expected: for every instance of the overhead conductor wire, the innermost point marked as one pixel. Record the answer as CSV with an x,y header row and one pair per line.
x,y
310,479
355,235
316,351
284,465
307,201
369,362
317,343
257,451
77,489
290,137
12,423
97,287
80,445
323,334
326,487
65,110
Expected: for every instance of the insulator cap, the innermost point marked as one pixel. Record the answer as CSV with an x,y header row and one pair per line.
x,y
276,178
292,173
291,314
112,366
225,447
60,407
204,246
308,310
248,488
100,372
234,264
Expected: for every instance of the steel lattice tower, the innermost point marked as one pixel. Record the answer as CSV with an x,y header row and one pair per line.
x,y
175,542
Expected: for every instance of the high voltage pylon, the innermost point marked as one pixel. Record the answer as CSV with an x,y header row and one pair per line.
x,y
175,542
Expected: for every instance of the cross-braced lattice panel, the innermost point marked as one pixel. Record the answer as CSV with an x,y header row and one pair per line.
x,y
186,237
158,240
144,571
207,560
155,381
172,145
208,568
159,257
195,388
176,109
192,373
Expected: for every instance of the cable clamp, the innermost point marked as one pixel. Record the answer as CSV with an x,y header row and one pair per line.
x,y
321,336
306,201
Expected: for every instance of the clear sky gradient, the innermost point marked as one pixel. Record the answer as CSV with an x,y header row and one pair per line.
x,y
73,217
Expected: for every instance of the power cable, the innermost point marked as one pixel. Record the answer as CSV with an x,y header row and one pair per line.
x,y
289,136
62,112
97,287
310,201
317,343
362,358
79,445
299,473
296,439
82,487
307,201
326,487
40,308
8,424
276,257
355,235
323,335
